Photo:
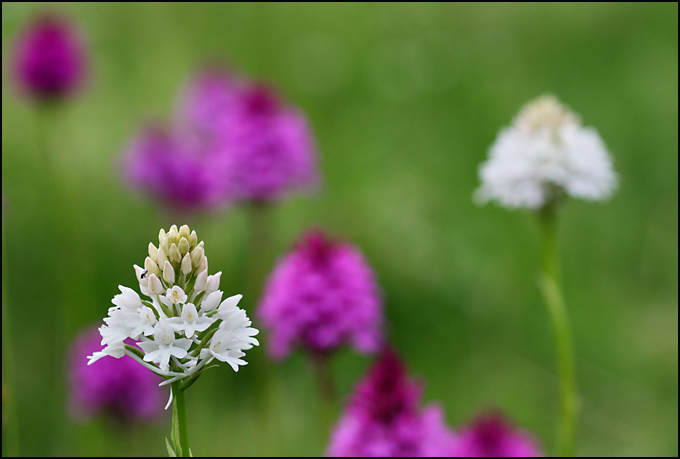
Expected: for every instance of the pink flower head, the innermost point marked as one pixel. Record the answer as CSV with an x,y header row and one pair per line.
x,y
49,58
268,150
491,435
231,141
206,101
321,296
383,418
120,388
173,170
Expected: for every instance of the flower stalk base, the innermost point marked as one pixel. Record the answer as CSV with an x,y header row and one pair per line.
x,y
550,287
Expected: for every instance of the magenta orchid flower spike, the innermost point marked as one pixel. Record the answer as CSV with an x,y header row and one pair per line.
x,y
321,296
50,58
383,417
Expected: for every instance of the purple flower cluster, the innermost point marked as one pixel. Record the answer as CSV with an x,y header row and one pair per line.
x,y
321,296
232,141
491,435
49,58
383,418
120,388
162,163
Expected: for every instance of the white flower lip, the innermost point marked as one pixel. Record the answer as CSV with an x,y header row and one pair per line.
x,y
190,322
174,296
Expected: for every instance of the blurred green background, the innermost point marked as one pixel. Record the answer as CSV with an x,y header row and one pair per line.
x,y
404,100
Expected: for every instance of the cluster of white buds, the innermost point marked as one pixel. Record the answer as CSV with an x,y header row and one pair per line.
x,y
184,324
545,154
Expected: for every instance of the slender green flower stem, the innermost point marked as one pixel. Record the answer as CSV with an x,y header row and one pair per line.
x,y
180,435
10,437
47,113
550,286
259,256
259,259
326,389
62,200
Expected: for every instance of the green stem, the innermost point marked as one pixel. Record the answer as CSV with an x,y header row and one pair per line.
x,y
259,255
326,389
60,261
258,262
63,199
10,444
550,286
179,435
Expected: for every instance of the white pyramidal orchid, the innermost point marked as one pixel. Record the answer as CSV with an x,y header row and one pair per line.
x,y
546,154
177,327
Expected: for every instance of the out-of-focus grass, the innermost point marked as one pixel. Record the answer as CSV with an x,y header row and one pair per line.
x,y
405,100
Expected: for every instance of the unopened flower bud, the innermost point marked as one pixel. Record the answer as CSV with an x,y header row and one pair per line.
x,y
193,240
211,300
168,273
201,281
153,251
174,255
196,256
151,266
213,283
186,264
183,246
173,235
161,256
184,232
155,285
139,272
161,237
202,265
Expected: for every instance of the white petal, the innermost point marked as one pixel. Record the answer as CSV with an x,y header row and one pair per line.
x,y
213,283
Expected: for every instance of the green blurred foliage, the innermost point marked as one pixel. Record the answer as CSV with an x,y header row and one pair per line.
x,y
405,100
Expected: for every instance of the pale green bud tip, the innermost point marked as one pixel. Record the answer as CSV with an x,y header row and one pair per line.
x,y
183,246
202,265
184,232
168,273
201,281
173,235
193,240
155,285
174,255
196,256
151,266
153,251
186,264
161,257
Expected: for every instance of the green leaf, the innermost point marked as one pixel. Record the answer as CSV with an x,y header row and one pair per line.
x,y
171,452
